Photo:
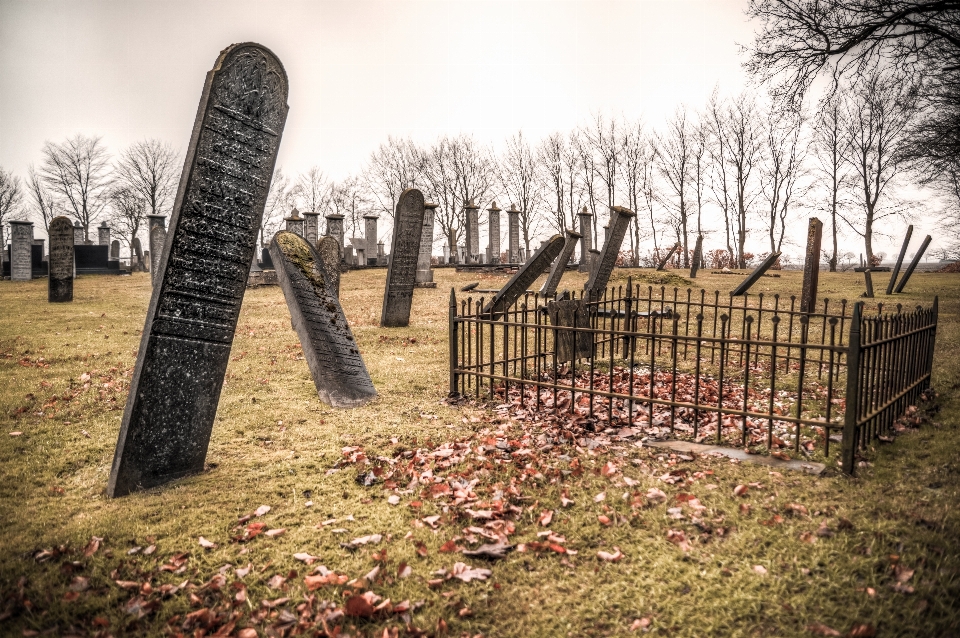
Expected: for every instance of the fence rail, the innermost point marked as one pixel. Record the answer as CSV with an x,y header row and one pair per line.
x,y
749,371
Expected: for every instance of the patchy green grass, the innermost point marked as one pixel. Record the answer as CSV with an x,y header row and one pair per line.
x,y
795,555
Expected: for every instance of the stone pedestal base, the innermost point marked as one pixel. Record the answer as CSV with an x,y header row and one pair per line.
x,y
262,278
425,284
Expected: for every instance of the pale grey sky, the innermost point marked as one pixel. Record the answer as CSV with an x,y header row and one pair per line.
x,y
360,70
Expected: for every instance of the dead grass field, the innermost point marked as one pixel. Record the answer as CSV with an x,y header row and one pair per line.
x,y
796,555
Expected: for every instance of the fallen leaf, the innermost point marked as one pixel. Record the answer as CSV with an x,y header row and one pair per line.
x,y
740,490
604,520
903,573
263,509
273,533
602,496
609,469
466,574
760,569
92,546
305,557
862,630
822,630
276,581
546,517
449,547
393,499
490,551
679,539
611,558
207,544
640,623
656,495
404,570
808,537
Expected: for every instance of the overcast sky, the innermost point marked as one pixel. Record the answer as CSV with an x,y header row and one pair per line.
x,y
360,70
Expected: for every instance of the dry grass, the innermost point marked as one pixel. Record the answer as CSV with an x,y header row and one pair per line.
x,y
274,443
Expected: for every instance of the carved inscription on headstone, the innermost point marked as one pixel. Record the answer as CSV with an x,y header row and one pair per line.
x,y
620,218
196,300
329,251
21,251
328,345
60,282
569,344
158,236
811,267
525,277
560,265
404,253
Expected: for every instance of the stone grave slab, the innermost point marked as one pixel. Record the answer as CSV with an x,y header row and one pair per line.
x,y
559,266
158,236
328,345
524,277
569,345
620,218
21,251
196,301
405,251
329,250
60,282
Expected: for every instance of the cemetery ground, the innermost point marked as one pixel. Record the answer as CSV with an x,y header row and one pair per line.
x,y
317,521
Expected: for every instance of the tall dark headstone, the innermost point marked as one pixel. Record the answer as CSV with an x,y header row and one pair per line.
x,y
913,265
330,257
158,237
404,253
868,280
60,282
559,266
811,267
21,251
586,241
513,235
196,301
328,345
620,218
525,277
757,273
697,257
903,253
424,269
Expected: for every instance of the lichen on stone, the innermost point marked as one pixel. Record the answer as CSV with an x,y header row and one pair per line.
x,y
297,250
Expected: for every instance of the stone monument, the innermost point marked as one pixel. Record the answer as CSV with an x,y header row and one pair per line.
x,y
158,237
424,270
370,239
295,223
328,345
311,227
493,234
77,233
525,277
404,254
115,250
586,239
21,250
335,229
103,235
513,235
899,264
811,267
137,256
60,282
549,287
697,257
620,219
195,304
472,215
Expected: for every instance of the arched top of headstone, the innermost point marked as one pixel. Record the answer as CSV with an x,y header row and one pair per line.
x,y
76,224
103,224
430,205
59,223
620,209
251,84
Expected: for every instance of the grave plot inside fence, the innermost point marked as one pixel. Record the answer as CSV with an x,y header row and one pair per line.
x,y
750,371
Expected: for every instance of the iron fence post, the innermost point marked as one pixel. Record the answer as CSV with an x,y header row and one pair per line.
x,y
853,392
452,333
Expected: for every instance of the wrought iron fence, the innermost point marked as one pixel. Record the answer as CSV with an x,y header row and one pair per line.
x,y
749,371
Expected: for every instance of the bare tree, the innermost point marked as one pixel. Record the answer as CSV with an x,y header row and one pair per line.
x,y
78,171
605,137
720,182
150,168
392,168
674,159
829,132
549,162
11,198
280,198
128,211
586,162
349,198
637,159
311,190
781,168
879,111
516,173
43,204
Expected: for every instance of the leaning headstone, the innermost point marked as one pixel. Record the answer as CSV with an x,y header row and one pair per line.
x,y
697,257
549,287
525,276
586,241
570,345
811,267
330,256
903,253
620,218
868,280
752,278
328,345
138,255
195,305
663,262
21,251
424,270
158,237
115,250
404,253
913,265
60,282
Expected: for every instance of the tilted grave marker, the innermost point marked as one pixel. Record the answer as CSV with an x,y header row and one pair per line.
x,y
329,250
868,280
328,345
193,312
549,287
525,276
60,282
697,257
752,278
811,267
619,220
896,268
663,262
913,265
404,253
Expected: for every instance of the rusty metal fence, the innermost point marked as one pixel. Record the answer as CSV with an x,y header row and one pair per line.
x,y
750,371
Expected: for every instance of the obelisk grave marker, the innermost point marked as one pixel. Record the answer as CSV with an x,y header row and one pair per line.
x,y
60,282
328,345
402,272
196,298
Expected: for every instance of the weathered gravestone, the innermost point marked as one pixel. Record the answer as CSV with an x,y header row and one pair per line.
x,y
586,240
549,287
329,250
663,262
757,273
811,267
913,265
193,312
619,220
568,344
471,213
158,236
139,266
896,268
328,345
115,250
21,251
404,253
697,257
424,270
60,282
78,234
525,276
